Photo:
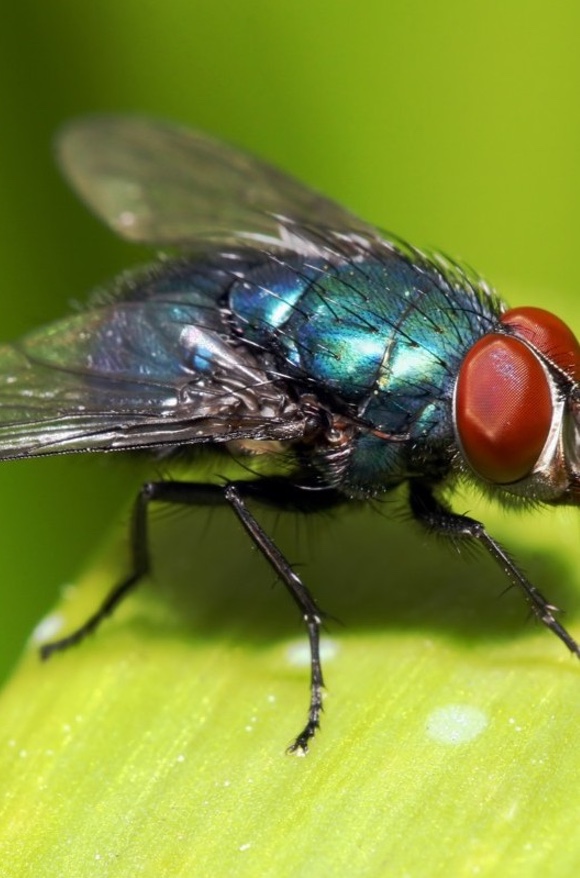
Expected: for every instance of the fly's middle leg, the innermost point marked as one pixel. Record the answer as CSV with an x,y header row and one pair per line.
x,y
306,604
195,494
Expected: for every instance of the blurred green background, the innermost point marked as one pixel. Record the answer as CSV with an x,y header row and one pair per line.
x,y
455,124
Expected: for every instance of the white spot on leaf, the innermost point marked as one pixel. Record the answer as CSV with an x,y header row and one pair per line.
x,y
456,724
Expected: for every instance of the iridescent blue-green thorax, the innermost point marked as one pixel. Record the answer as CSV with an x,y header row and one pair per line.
x,y
383,334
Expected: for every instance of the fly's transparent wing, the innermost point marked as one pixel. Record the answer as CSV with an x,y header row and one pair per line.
x,y
133,375
159,183
153,368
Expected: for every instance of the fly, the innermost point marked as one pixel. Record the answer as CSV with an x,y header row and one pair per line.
x,y
283,326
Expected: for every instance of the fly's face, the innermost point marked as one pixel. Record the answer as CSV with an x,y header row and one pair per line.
x,y
572,444
517,407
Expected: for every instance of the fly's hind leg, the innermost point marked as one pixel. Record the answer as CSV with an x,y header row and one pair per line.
x,y
140,569
272,492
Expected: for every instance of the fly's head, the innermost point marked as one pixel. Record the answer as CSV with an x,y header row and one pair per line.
x,y
516,408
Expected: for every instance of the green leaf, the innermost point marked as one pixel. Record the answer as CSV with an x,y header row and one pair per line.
x,y
157,747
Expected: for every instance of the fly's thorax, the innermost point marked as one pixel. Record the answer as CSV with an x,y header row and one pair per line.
x,y
376,330
377,336
379,461
351,455
516,411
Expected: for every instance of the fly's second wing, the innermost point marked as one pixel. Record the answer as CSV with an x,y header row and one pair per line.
x,y
135,374
163,184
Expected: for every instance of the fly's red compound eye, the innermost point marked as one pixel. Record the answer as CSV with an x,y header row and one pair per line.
x,y
503,408
549,335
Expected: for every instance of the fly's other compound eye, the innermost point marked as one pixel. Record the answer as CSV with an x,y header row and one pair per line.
x,y
503,408
549,335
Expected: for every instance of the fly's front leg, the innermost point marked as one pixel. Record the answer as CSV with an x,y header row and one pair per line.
x,y
438,518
